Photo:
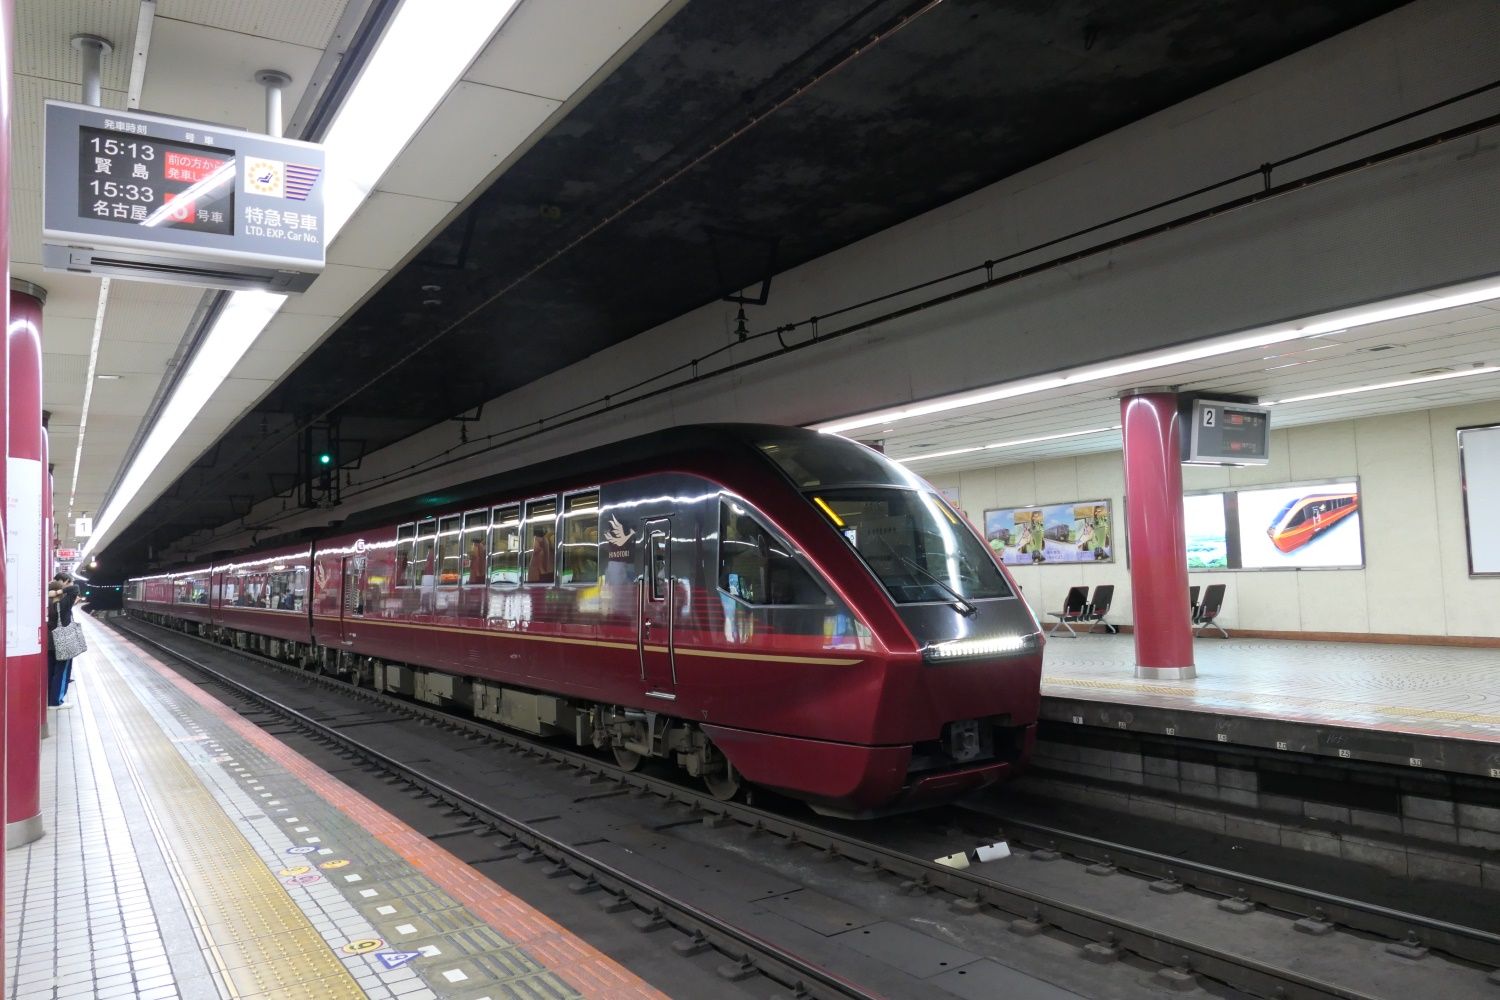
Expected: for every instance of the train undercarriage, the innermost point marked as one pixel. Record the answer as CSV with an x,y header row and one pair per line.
x,y
632,735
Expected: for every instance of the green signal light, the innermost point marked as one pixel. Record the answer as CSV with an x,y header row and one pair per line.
x,y
325,459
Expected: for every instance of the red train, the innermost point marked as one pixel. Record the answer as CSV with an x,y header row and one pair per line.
x,y
753,603
1304,518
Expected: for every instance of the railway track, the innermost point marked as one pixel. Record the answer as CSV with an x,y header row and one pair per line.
x,y
1266,957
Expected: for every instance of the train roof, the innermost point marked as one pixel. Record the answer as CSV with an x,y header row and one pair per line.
x,y
807,457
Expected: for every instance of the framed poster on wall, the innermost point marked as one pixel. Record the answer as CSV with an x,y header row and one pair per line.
x,y
1081,531
1479,478
1313,525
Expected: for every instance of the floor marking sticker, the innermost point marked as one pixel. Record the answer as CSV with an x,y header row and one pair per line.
x,y
362,946
300,850
300,881
405,929
335,863
396,959
291,872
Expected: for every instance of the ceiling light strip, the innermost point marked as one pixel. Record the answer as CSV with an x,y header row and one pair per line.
x,y
1314,326
385,109
1007,444
88,391
1445,376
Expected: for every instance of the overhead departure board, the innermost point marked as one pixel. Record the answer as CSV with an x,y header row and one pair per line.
x,y
163,199
1226,433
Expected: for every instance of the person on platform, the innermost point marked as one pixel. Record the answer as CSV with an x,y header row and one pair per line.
x,y
61,595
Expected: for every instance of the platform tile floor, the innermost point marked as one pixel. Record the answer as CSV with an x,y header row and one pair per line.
x,y
77,898
1433,690
189,854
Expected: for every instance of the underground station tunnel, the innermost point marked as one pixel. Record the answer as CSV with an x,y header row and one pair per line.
x,y
679,498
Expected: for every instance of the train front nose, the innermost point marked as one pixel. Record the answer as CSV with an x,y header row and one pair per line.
x,y
980,685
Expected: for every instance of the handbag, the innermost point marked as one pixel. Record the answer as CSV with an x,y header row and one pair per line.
x,y
68,641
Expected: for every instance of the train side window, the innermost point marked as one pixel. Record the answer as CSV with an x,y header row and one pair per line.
x,y
449,550
476,526
661,566
505,545
579,552
539,557
420,571
757,567
406,536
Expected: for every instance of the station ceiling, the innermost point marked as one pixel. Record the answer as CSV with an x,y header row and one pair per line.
x,y
737,141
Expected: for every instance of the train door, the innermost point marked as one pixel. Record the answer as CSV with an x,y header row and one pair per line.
x,y
352,604
657,598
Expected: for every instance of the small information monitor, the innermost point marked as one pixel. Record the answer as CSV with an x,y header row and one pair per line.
x,y
144,196
1226,433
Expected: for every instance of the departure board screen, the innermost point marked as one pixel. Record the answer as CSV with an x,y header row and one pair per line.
x,y
1227,433
157,183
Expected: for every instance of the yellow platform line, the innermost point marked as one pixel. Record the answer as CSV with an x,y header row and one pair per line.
x,y
257,940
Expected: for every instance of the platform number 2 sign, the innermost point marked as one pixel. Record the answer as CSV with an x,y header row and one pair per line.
x,y
1209,416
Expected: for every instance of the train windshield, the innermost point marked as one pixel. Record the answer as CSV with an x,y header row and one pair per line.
x,y
919,550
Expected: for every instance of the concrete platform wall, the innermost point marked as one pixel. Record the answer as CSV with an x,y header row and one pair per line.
x,y
1416,578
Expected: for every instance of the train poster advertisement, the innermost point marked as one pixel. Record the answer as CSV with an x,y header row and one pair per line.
x,y
1075,532
1303,526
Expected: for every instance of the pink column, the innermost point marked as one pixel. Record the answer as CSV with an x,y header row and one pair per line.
x,y
25,626
7,26
1156,536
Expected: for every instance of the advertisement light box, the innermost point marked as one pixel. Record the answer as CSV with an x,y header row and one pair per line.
x,y
143,196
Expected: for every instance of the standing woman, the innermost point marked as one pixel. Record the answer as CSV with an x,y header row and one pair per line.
x,y
59,612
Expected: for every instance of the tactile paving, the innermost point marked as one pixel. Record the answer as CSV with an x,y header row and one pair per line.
x,y
397,913
259,938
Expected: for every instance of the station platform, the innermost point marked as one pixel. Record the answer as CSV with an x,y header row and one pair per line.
x,y
189,854
1420,706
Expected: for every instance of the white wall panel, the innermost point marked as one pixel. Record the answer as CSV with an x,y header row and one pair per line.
x,y
1404,577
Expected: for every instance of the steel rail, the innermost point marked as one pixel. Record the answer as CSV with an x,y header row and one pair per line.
x,y
971,892
1470,944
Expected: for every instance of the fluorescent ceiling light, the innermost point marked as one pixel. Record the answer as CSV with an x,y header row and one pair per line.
x,y
386,107
108,378
1314,326
240,322
88,391
1487,370
391,101
1007,444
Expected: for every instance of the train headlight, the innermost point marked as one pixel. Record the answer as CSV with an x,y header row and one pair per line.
x,y
955,649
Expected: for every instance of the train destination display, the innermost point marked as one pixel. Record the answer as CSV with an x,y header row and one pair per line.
x,y
1225,433
157,198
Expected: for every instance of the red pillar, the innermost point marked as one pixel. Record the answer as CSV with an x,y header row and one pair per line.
x,y
25,626
7,26
1155,533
